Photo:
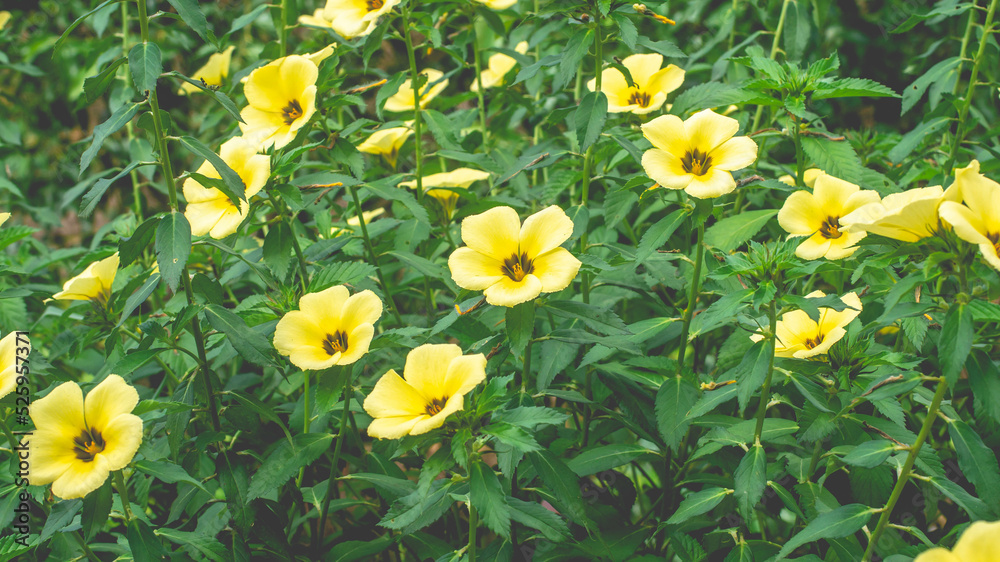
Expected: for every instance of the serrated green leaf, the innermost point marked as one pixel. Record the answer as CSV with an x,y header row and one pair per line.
x,y
836,158
673,400
95,86
957,334
750,479
698,503
834,524
977,461
870,453
145,65
590,117
605,457
248,343
173,246
286,460
118,119
488,498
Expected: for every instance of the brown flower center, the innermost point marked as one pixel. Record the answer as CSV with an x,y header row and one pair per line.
x,y
335,343
638,97
517,266
374,5
435,406
291,112
696,162
830,229
813,342
994,237
88,444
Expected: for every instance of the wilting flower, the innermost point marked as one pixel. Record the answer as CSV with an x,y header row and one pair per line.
x,y
404,99
350,18
979,543
93,284
652,84
801,337
8,361
368,216
817,215
978,220
209,210
282,98
435,380
512,263
696,155
907,216
498,4
498,66
331,327
809,177
459,178
212,73
77,442
387,142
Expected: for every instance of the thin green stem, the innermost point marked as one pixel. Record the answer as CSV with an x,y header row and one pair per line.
x,y
478,58
526,371
129,128
774,52
154,105
969,26
10,435
372,256
86,548
588,159
699,257
473,525
765,392
732,32
283,28
967,102
418,152
536,133
199,341
332,482
305,403
904,474
800,159
123,494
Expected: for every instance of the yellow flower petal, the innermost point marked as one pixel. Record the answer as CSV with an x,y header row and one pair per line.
x,y
392,427
108,400
404,98
94,283
123,436
508,292
494,233
665,169
734,154
800,215
937,555
707,129
215,70
666,79
464,373
968,225
427,368
281,98
81,478
361,308
544,231
715,183
452,405
60,411
331,328
979,543
393,397
556,269
8,362
472,270
814,247
667,133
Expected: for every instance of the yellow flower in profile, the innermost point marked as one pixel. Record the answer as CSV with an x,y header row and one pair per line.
x,y
355,221
809,177
212,73
978,220
696,155
8,361
76,442
979,543
801,337
350,18
93,284
817,215
907,216
435,380
513,263
498,66
281,98
331,327
459,178
404,98
498,4
652,84
387,142
209,210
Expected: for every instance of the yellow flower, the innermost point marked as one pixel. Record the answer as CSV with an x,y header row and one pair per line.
x,y
460,178
4,217
809,177
979,543
978,220
403,99
350,18
213,73
652,84
330,328
281,98
322,54
387,142
93,284
907,216
696,155
209,211
369,216
4,18
8,362
512,263
817,215
435,380
801,337
498,4
77,442
497,67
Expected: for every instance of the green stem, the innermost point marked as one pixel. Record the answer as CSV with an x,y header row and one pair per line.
x,y
969,26
699,256
123,494
525,372
154,104
904,474
305,403
283,28
477,56
129,128
417,149
86,549
10,435
967,102
199,341
372,256
774,52
765,392
536,134
800,159
588,159
332,482
732,32
473,524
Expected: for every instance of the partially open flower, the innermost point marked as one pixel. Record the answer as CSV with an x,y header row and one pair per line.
x,y
907,216
979,543
498,66
817,215
652,84
76,442
350,18
435,380
512,263
459,178
282,100
809,177
209,210
404,98
212,73
8,361
387,142
498,4
801,337
93,284
331,327
978,220
697,155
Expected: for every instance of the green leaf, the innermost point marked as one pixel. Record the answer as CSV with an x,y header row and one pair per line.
x,y
235,188
974,506
93,196
955,344
836,158
145,546
286,460
349,551
605,457
248,342
594,317
173,245
189,11
698,503
674,399
658,234
219,96
168,472
118,119
393,193
553,471
731,232
984,378
96,509
207,547
59,517
95,86
488,498
750,480
145,65
834,524
234,481
936,73
520,324
751,371
340,273
852,88
977,461
572,53
374,42
388,90
538,517
870,453
512,435
132,247
556,357
78,21
665,48
278,248
589,118
138,297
